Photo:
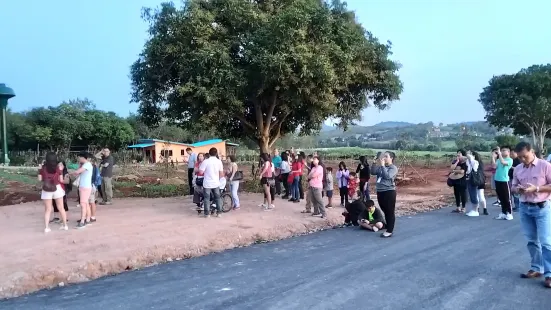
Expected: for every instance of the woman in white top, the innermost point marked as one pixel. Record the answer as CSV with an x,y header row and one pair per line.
x,y
285,170
234,185
476,191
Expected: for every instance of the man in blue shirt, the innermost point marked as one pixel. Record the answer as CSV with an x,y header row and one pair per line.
x,y
502,162
192,159
276,160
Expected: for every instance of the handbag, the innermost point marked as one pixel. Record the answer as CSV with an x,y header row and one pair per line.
x,y
477,178
238,176
199,182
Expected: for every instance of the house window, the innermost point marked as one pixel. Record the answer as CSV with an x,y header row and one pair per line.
x,y
182,152
166,153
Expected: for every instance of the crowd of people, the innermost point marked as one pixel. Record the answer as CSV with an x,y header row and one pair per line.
x,y
522,183
92,177
281,175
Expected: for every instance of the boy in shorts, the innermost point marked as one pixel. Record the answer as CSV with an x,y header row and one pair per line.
x,y
371,218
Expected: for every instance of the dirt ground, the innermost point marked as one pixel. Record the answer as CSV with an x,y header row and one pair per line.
x,y
138,232
134,233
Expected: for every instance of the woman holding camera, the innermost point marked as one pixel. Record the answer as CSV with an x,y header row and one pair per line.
x,y
385,171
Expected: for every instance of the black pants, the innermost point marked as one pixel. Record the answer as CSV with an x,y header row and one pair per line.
x,y
277,184
387,202
504,196
460,193
353,211
343,192
284,177
100,193
190,179
65,205
300,188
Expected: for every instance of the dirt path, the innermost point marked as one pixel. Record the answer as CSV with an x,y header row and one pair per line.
x,y
135,233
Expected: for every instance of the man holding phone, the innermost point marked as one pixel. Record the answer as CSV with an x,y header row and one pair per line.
x,y
532,181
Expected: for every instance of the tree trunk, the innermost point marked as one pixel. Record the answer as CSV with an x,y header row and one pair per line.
x,y
264,144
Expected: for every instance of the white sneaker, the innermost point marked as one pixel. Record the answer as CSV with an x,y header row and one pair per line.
x,y
472,213
509,217
47,230
64,227
501,216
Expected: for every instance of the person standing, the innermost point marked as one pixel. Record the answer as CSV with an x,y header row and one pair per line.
x,y
516,162
342,181
234,181
296,173
192,159
459,167
50,174
363,173
84,188
532,181
276,161
315,186
107,164
285,170
503,163
386,172
212,170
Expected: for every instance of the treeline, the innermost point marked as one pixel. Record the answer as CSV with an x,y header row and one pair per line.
x,y
78,125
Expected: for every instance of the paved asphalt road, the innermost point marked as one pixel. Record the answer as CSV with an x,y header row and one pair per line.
x,y
435,260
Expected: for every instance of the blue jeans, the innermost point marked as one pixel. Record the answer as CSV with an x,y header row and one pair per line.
x,y
536,226
234,187
473,193
295,191
215,192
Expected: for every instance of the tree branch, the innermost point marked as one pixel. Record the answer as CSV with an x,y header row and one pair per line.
x,y
244,121
270,113
277,127
258,114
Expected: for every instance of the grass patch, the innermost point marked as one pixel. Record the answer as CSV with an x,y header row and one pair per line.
x,y
19,176
133,189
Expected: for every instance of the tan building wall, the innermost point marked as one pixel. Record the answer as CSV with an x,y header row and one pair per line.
x,y
177,152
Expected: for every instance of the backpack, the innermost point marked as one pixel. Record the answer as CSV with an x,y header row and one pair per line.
x,y
96,177
49,183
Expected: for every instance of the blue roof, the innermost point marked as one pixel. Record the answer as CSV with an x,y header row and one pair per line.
x,y
206,142
141,145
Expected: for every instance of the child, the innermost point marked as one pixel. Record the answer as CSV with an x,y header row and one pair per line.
x,y
372,218
329,187
352,186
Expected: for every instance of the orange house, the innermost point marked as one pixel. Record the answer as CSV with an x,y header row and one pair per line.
x,y
156,151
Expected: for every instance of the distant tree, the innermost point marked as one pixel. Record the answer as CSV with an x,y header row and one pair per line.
x,y
507,140
521,101
260,69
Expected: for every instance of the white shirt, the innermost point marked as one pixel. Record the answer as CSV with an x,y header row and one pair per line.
x,y
211,168
285,167
192,160
86,176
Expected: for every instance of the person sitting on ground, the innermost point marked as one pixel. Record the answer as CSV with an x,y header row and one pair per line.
x,y
371,218
353,210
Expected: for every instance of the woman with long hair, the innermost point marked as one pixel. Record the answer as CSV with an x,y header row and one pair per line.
x,y
385,171
50,175
67,187
267,181
342,177
364,173
476,192
296,173
234,185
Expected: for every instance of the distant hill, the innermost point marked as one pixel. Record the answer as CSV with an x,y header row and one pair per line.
x,y
393,124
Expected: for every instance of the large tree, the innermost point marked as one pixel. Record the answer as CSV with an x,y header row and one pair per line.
x,y
261,68
521,101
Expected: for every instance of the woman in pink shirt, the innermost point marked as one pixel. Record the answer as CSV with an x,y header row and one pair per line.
x,y
267,181
315,182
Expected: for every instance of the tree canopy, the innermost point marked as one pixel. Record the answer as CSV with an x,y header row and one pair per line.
x,y
74,122
260,69
521,101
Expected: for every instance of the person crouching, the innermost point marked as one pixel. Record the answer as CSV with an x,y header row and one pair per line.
x,y
371,218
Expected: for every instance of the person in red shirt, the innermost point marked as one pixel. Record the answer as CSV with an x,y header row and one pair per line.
x,y
50,174
296,172
352,186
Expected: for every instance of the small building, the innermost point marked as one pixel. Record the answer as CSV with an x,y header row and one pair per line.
x,y
156,151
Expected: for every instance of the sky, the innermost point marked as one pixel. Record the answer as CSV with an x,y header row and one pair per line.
x,y
59,50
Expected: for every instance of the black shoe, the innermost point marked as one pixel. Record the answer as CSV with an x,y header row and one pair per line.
x,y
81,225
486,212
